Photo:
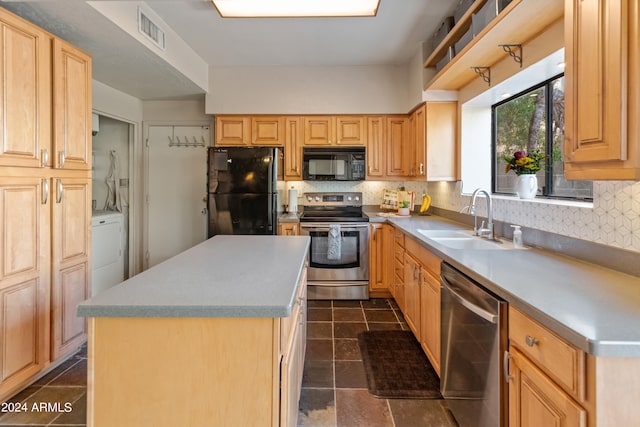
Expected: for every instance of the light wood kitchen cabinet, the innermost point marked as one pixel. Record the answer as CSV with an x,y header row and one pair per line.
x,y
26,93
233,131
602,90
418,139
547,376
293,141
24,280
71,255
432,135
398,268
288,229
267,131
381,247
552,382
411,309
293,338
427,305
441,121
376,138
430,316
399,147
535,400
47,140
248,131
71,107
239,371
351,130
319,130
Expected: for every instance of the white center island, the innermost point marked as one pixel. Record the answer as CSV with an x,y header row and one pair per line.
x,y
214,336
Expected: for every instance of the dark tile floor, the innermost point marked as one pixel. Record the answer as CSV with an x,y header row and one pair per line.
x,y
334,387
57,399
334,392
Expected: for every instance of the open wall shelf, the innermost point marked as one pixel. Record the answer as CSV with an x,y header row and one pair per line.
x,y
519,22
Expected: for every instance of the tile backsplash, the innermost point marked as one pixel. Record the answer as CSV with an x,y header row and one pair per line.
x,y
613,219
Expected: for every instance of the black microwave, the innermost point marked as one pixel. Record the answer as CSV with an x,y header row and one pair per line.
x,y
334,164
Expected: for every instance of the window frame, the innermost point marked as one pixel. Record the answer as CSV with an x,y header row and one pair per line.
x,y
548,167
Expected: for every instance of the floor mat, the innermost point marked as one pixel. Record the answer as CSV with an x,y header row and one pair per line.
x,y
396,366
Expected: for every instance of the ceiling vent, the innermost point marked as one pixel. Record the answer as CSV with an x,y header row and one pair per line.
x,y
150,29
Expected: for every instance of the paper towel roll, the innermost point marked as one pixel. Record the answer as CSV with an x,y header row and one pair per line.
x,y
293,200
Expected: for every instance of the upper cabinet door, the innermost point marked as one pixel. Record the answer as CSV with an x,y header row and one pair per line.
x,y
350,130
319,130
293,148
376,138
267,130
233,130
602,89
71,107
398,147
25,93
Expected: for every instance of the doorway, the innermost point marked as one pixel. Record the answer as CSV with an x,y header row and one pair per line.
x,y
111,172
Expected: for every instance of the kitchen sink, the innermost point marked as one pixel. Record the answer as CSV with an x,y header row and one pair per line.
x,y
459,239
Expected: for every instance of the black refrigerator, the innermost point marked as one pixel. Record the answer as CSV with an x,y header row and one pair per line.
x,y
242,190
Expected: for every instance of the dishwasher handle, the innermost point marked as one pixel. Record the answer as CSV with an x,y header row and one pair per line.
x,y
479,311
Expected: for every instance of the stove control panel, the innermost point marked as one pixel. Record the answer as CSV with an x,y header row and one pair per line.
x,y
333,199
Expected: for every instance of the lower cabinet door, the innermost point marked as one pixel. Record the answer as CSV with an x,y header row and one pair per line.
x,y
291,374
535,400
71,249
24,280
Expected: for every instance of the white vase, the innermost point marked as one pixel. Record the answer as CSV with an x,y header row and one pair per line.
x,y
527,186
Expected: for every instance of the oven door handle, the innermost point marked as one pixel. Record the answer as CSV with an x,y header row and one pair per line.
x,y
479,311
325,226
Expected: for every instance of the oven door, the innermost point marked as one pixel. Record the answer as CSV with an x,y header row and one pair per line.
x,y
353,262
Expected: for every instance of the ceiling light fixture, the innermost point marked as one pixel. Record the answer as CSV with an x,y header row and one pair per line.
x,y
295,8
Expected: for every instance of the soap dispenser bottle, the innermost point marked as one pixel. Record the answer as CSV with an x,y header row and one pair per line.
x,y
517,236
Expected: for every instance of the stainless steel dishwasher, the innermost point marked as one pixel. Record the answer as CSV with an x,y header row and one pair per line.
x,y
474,336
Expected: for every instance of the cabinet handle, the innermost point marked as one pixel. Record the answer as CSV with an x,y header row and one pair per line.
x,y
45,157
60,189
45,191
505,366
373,234
421,168
329,142
531,341
416,274
62,158
370,170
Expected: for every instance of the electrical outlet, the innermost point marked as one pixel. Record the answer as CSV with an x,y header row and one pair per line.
x,y
124,182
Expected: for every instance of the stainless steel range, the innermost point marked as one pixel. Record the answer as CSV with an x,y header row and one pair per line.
x,y
339,254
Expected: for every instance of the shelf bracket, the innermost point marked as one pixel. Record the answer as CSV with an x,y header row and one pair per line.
x,y
484,73
514,51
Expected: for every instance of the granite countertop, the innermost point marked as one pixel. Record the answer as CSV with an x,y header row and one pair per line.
x,y
225,276
594,308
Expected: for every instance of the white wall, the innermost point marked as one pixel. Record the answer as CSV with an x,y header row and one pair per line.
x,y
308,90
174,112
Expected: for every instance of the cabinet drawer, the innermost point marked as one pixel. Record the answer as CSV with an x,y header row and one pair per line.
x,y
399,237
564,363
430,261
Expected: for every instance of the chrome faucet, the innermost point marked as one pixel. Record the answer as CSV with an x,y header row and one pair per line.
x,y
483,232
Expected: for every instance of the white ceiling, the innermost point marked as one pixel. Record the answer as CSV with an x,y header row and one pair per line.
x,y
122,62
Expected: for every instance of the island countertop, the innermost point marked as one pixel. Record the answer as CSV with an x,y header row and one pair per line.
x,y
224,276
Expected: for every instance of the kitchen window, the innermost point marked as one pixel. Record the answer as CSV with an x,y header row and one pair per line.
x,y
534,120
